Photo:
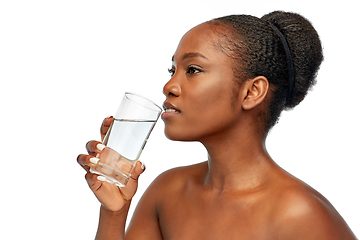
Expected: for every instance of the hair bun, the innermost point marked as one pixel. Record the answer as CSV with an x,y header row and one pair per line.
x,y
305,48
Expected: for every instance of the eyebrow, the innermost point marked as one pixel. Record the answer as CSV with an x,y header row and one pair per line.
x,y
191,55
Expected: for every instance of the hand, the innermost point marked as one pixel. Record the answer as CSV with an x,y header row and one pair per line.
x,y
105,126
110,196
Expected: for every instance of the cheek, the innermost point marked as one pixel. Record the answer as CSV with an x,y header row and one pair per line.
x,y
210,99
206,109
208,114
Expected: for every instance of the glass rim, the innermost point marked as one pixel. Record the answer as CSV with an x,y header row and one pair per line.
x,y
156,107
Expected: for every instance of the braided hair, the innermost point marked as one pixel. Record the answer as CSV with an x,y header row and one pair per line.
x,y
257,50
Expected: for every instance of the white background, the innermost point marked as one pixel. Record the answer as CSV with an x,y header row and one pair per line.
x,y
64,66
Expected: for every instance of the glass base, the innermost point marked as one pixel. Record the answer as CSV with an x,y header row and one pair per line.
x,y
112,175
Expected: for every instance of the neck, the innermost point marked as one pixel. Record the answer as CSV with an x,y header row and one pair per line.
x,y
237,161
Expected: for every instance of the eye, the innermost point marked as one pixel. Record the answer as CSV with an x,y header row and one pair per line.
x,y
193,70
171,71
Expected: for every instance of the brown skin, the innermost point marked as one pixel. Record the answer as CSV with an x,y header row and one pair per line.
x,y
240,192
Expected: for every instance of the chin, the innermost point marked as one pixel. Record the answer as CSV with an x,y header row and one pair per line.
x,y
180,136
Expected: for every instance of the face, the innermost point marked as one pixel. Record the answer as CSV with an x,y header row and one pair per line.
x,y
200,96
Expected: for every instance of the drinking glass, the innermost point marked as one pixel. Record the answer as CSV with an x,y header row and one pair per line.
x,y
126,138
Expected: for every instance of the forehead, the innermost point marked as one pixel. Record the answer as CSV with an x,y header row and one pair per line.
x,y
200,39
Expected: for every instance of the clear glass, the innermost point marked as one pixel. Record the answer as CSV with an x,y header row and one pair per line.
x,y
126,138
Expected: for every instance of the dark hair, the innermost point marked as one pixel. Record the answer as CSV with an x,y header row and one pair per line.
x,y
257,50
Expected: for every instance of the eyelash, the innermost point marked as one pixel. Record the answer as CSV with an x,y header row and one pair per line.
x,y
171,71
190,70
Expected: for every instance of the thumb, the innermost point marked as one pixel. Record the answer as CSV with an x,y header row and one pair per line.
x,y
139,169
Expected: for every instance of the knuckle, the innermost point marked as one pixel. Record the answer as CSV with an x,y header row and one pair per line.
x,y
91,146
88,176
79,158
88,145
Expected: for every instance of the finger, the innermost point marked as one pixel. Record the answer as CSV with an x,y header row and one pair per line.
x,y
93,181
108,194
105,126
94,147
87,161
130,189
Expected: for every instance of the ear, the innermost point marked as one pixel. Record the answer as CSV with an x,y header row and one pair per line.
x,y
257,89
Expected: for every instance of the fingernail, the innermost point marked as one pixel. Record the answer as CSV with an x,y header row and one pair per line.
x,y
100,146
94,160
109,116
142,166
101,178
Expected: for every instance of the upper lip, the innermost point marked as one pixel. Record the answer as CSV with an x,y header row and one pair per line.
x,y
168,105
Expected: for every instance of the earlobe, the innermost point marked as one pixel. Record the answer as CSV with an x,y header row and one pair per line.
x,y
257,89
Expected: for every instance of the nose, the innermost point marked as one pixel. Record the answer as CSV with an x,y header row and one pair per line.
x,y
172,88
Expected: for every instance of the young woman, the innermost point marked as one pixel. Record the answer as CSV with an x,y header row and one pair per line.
x,y
231,78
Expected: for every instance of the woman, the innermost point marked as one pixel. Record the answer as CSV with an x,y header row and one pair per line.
x,y
231,78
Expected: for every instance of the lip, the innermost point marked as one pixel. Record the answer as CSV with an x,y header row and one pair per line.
x,y
168,114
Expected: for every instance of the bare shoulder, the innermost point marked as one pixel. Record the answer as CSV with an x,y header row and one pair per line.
x,y
166,188
303,213
178,178
171,183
